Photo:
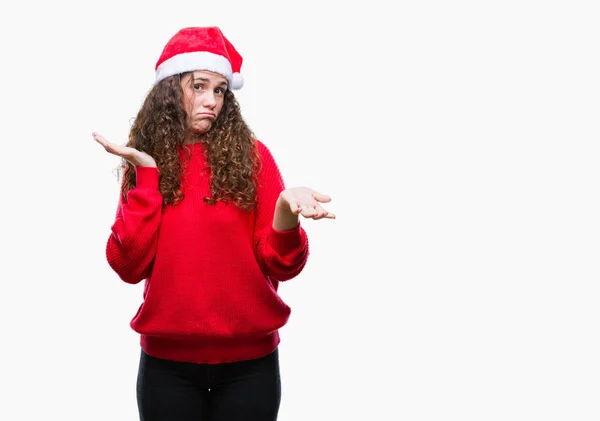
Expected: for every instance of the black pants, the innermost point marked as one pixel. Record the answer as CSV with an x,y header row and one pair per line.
x,y
239,391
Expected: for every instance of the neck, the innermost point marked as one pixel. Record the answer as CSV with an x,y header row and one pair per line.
x,y
192,138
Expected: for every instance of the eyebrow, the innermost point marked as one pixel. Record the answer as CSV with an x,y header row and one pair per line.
x,y
203,79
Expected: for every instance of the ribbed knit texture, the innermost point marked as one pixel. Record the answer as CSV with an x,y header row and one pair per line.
x,y
211,272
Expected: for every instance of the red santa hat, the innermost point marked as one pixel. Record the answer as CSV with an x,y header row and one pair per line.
x,y
200,49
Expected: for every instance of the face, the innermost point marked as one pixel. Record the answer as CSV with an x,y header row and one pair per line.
x,y
203,96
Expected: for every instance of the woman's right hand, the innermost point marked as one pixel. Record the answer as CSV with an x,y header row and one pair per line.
x,y
132,155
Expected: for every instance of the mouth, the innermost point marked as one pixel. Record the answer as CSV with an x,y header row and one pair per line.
x,y
207,114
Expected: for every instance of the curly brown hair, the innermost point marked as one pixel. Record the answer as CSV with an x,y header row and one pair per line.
x,y
230,148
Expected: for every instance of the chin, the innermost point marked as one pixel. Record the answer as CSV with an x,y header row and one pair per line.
x,y
201,130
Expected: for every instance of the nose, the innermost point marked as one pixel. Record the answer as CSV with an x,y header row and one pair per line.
x,y
209,100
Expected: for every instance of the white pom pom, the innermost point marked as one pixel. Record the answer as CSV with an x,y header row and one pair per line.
x,y
237,81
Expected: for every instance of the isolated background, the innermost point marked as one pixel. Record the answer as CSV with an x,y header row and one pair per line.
x,y
458,140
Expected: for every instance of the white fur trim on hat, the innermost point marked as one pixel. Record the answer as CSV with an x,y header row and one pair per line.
x,y
199,60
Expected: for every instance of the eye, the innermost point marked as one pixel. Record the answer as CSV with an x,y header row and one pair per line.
x,y
198,86
220,91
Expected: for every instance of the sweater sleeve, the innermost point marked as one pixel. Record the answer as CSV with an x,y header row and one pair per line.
x,y
280,254
131,247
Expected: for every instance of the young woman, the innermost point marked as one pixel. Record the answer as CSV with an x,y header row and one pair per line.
x,y
205,220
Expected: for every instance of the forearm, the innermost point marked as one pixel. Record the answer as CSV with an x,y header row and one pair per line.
x,y
284,219
281,244
132,244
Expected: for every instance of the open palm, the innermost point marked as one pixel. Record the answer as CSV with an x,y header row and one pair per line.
x,y
306,202
132,155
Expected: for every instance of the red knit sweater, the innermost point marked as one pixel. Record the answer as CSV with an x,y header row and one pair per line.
x,y
211,272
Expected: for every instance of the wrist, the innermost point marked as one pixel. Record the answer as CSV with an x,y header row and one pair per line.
x,y
284,219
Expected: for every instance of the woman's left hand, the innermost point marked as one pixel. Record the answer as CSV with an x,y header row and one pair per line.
x,y
306,202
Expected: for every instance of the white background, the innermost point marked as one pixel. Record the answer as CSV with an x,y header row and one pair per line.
x,y
458,140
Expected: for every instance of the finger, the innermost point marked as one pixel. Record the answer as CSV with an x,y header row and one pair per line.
x,y
322,213
323,198
119,150
329,215
295,208
308,212
319,212
100,139
97,138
